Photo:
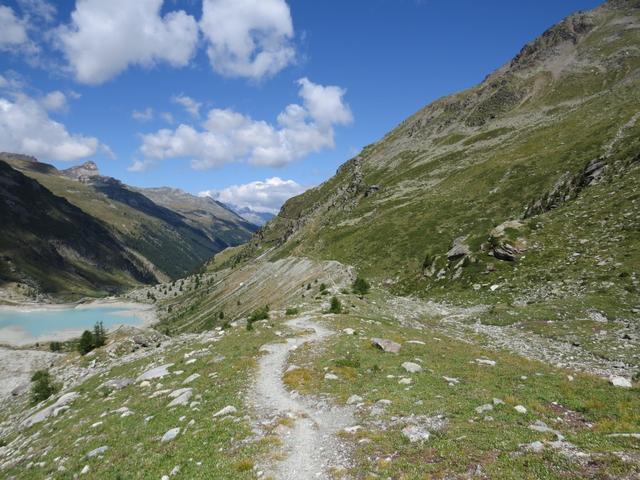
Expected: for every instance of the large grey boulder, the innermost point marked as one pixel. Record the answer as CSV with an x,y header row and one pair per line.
x,y
45,413
385,345
459,249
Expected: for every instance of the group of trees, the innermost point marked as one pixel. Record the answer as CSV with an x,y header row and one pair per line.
x,y
42,386
90,340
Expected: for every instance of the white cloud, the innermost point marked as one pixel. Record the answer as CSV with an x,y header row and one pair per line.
x,y
260,196
227,136
55,101
248,38
40,9
189,104
105,37
25,127
167,118
140,166
13,31
145,115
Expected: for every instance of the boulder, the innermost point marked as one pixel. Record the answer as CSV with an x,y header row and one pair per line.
x,y
385,345
459,249
228,410
45,413
117,383
618,381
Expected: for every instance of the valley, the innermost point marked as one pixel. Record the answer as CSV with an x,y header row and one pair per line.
x,y
460,300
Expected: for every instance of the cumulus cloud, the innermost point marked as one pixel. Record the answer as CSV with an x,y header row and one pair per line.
x,y
39,9
227,136
105,37
189,104
25,127
145,115
260,196
13,31
55,101
248,38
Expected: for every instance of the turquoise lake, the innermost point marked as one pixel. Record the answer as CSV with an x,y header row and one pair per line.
x,y
22,326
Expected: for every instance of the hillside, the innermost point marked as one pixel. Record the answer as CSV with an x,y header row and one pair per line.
x,y
519,190
169,243
48,244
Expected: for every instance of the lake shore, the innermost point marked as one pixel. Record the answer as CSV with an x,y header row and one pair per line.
x,y
14,336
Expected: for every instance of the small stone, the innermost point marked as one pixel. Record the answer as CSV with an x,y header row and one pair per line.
x,y
228,410
485,361
170,435
520,409
85,470
536,447
330,376
487,407
353,399
349,331
411,367
97,451
405,381
191,378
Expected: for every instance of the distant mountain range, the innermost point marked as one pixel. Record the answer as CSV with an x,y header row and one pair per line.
x,y
91,233
253,216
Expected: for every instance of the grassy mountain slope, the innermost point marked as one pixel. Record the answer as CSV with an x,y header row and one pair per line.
x,y
532,144
48,241
170,244
219,222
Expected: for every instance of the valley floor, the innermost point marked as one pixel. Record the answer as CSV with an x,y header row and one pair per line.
x,y
309,395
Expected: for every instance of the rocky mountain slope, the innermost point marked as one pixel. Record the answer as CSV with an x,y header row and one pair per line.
x,y
520,190
167,238
47,239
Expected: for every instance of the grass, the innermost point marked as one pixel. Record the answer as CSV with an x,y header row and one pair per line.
x,y
468,440
208,449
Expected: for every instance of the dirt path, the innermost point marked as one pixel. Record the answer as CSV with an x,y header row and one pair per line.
x,y
311,446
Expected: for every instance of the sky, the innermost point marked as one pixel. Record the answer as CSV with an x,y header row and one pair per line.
x,y
249,101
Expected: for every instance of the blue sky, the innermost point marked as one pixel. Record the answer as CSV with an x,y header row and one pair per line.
x,y
367,64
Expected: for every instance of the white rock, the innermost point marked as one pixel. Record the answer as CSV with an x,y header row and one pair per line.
x,y
85,469
97,451
415,434
520,409
484,361
170,435
45,413
405,381
330,376
182,399
191,378
349,331
157,372
618,381
487,407
411,367
228,410
354,399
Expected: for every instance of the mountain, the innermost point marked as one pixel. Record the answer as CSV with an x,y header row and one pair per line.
x,y
253,216
521,189
169,243
218,220
54,246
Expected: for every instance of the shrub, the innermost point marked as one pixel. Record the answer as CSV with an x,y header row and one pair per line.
x,y
86,342
291,311
43,386
257,315
55,346
361,286
336,306
323,287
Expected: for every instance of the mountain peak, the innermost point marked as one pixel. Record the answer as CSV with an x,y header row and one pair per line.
x,y
82,172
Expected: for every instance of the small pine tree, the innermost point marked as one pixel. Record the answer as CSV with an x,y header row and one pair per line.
x,y
221,316
86,342
361,286
336,306
99,335
43,386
